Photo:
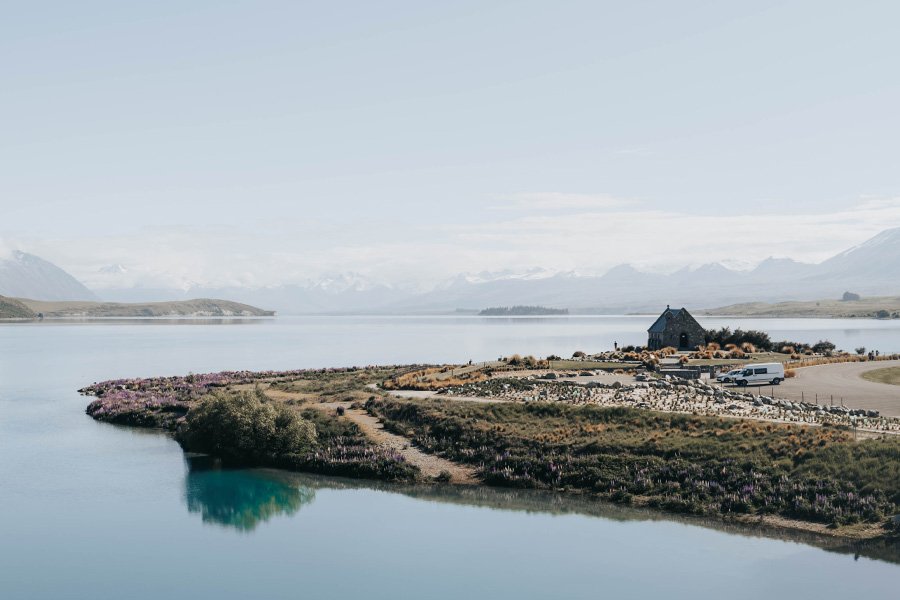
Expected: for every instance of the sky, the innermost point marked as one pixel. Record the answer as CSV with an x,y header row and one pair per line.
x,y
267,142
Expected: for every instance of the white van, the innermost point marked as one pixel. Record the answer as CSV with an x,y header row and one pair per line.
x,y
762,373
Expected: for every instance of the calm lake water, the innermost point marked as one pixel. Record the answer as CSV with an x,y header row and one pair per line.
x,y
89,510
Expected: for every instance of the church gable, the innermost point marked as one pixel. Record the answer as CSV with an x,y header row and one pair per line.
x,y
675,328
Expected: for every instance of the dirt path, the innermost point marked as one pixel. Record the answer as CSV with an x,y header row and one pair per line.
x,y
430,394
430,465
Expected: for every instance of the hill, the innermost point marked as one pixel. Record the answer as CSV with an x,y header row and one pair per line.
x,y
25,275
883,307
14,309
202,307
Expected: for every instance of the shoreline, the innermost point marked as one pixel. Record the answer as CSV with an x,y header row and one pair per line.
x,y
160,404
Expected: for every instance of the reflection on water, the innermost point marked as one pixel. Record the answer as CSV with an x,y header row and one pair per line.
x,y
170,320
243,498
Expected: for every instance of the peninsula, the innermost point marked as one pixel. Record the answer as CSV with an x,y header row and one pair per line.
x,y
880,307
684,447
24,308
12,309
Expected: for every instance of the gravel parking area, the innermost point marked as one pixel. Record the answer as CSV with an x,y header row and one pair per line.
x,y
843,383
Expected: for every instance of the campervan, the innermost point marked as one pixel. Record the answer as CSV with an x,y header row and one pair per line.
x,y
762,373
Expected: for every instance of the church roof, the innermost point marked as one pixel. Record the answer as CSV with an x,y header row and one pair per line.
x,y
659,325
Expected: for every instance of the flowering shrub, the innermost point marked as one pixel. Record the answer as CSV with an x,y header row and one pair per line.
x,y
330,445
164,401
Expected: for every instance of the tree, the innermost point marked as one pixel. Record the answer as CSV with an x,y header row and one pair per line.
x,y
861,350
823,347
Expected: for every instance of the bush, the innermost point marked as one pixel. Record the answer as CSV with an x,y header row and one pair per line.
x,y
823,347
443,477
759,340
245,428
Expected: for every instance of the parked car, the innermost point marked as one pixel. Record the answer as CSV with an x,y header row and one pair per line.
x,y
762,373
729,376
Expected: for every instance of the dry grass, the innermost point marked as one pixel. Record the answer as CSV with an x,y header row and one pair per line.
x,y
889,375
432,378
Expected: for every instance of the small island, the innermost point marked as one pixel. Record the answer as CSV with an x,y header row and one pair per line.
x,y
522,311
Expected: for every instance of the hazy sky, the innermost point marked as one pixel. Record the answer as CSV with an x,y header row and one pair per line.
x,y
259,142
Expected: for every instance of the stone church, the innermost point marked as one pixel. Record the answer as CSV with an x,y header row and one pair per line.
x,y
676,328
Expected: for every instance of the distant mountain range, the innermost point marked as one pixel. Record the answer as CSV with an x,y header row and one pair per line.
x,y
872,268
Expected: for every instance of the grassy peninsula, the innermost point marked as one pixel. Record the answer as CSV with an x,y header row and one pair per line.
x,y
330,421
201,307
13,309
882,307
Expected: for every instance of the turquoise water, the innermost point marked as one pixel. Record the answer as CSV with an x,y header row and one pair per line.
x,y
89,510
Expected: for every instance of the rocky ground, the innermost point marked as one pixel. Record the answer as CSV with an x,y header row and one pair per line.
x,y
675,395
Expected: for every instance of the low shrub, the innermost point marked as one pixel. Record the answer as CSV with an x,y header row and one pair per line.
x,y
245,428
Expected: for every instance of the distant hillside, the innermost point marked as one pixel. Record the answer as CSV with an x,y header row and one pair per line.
x,y
883,307
183,308
24,275
14,309
521,311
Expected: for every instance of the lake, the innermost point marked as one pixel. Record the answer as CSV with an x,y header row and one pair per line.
x,y
90,510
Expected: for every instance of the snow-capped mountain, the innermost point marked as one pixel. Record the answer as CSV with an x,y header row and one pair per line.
x,y
25,275
114,269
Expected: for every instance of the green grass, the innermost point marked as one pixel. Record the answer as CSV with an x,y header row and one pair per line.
x,y
890,375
